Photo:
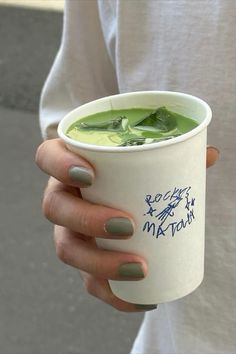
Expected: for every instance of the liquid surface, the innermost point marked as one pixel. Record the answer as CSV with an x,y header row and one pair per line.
x,y
130,127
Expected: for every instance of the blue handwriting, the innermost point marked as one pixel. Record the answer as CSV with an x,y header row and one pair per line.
x,y
165,220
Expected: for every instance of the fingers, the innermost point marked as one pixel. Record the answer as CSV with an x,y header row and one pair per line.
x,y
56,160
213,155
100,288
98,266
62,206
83,253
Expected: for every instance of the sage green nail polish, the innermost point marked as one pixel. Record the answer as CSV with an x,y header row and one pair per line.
x,y
119,227
81,175
146,307
131,270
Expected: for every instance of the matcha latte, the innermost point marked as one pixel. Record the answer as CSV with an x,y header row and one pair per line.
x,y
130,127
148,151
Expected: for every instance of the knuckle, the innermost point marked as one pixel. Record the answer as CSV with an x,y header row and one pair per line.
x,y
49,204
39,156
63,251
86,222
90,286
90,220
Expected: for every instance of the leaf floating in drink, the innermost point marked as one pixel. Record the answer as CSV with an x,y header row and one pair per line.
x,y
161,120
135,141
130,127
115,124
142,140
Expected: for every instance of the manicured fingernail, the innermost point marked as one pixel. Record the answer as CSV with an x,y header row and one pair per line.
x,y
81,175
131,270
119,227
146,307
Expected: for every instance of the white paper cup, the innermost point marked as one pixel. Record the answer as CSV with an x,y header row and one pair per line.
x,y
162,185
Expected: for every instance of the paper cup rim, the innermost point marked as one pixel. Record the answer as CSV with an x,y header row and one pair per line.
x,y
123,149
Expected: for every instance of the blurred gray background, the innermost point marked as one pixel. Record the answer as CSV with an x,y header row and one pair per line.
x,y
43,305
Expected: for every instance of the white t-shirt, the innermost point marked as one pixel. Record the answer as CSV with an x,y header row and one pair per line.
x,y
111,46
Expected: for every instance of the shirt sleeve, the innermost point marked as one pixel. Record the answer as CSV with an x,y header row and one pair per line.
x,y
82,70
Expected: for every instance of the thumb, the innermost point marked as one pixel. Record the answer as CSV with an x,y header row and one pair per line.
x,y
213,155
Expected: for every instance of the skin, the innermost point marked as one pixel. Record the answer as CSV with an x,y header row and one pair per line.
x,y
79,222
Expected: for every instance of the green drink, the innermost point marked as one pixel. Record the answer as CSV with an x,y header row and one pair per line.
x,y
161,184
130,127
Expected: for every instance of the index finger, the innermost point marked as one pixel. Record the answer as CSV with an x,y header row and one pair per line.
x,y
53,158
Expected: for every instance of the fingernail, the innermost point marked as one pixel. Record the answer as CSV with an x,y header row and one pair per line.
x,y
213,148
119,227
131,270
146,307
81,175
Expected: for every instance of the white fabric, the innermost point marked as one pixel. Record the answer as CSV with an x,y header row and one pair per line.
x,y
181,45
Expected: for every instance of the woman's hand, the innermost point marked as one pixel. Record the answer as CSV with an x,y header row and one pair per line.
x,y
78,222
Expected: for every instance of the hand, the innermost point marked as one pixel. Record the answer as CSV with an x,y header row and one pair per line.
x,y
78,222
